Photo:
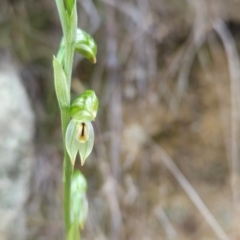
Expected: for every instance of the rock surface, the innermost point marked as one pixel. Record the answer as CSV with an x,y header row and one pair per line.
x,y
16,150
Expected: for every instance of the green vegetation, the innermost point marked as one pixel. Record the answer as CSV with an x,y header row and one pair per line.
x,y
77,130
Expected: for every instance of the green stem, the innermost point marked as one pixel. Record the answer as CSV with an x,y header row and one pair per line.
x,y
67,165
68,27
67,172
65,119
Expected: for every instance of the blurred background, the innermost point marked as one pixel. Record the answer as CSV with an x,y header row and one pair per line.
x,y
165,163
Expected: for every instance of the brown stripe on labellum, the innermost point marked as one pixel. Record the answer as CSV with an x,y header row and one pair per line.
x,y
82,135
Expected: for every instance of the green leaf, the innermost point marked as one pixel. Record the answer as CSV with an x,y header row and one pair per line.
x,y
84,107
73,233
71,142
86,148
69,5
61,86
72,24
61,54
62,15
85,45
79,204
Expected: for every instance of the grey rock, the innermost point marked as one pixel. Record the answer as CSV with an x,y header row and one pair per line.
x,y
16,151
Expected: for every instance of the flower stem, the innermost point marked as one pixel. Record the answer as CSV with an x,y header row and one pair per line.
x,y
67,10
65,119
67,172
69,27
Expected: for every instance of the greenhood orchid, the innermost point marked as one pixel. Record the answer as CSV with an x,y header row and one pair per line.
x,y
80,133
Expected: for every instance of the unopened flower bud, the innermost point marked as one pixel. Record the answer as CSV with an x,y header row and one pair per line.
x,y
84,107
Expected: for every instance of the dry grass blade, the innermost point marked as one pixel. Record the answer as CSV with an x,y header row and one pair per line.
x,y
198,33
184,74
234,68
109,188
171,166
165,222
